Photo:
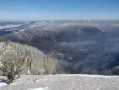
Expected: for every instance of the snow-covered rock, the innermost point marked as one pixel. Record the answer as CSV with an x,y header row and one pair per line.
x,y
35,62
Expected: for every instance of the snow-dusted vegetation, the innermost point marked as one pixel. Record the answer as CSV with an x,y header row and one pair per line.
x,y
16,59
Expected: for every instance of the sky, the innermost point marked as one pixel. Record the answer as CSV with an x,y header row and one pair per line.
x,y
59,9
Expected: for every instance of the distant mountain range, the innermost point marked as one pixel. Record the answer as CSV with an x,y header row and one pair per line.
x,y
77,46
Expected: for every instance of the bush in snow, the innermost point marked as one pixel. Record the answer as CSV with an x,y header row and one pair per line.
x,y
12,65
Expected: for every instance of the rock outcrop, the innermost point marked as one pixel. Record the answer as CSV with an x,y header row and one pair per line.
x,y
35,61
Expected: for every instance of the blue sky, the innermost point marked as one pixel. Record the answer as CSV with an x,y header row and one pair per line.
x,y
59,9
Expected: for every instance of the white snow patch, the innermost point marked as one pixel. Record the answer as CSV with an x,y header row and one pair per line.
x,y
2,84
86,75
29,72
62,82
46,88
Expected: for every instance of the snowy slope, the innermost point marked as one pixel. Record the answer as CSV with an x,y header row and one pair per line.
x,y
62,82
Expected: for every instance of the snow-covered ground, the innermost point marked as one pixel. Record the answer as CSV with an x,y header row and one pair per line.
x,y
62,82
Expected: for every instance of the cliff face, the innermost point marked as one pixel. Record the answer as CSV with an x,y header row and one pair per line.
x,y
34,61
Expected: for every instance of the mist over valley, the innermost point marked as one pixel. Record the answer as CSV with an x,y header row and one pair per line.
x,y
85,47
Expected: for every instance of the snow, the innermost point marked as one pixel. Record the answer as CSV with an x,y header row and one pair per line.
x,y
9,26
29,72
39,89
62,82
2,84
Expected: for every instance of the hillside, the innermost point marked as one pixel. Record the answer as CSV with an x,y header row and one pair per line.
x,y
61,42
62,82
35,62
